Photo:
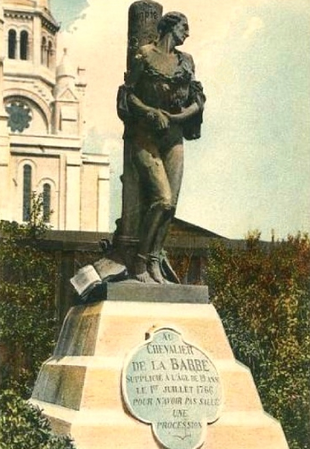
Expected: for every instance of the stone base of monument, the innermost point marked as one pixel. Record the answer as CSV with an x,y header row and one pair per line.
x,y
109,387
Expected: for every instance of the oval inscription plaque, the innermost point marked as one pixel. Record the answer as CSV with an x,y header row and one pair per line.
x,y
174,386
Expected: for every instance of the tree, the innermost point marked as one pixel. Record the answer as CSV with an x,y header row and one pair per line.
x,y
262,293
28,322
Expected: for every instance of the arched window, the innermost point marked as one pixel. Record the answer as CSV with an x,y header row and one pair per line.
x,y
46,202
12,44
27,188
50,54
23,45
43,51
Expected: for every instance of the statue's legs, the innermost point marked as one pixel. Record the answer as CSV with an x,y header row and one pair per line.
x,y
173,164
160,179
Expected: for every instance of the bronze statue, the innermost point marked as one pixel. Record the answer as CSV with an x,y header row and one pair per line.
x,y
160,103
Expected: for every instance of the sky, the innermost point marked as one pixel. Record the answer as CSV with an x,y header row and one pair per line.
x,y
251,168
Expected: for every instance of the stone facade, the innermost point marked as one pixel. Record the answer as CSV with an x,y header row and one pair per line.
x,y
42,126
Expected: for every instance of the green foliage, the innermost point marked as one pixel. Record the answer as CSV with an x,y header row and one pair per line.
x,y
262,294
27,290
22,426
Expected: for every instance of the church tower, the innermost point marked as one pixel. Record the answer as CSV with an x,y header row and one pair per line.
x,y
4,135
41,113
3,120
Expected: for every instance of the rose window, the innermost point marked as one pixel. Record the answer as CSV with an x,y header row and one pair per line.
x,y
20,115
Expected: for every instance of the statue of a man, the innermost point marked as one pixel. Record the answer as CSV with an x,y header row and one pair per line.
x,y
161,103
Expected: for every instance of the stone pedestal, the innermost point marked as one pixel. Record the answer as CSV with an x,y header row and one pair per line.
x,y
79,387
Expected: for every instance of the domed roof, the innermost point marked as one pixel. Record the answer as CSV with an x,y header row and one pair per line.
x,y
43,3
37,6
29,3
65,69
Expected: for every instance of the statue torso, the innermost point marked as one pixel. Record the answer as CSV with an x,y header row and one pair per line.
x,y
163,80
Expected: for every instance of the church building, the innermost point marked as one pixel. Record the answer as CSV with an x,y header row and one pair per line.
x,y
42,126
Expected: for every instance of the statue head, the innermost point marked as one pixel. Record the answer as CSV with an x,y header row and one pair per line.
x,y
175,23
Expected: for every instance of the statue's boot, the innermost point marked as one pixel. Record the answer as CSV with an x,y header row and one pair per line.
x,y
147,260
154,257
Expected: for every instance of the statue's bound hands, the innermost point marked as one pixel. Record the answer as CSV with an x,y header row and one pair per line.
x,y
158,118
184,115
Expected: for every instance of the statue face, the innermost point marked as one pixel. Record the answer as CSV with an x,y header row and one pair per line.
x,y
180,31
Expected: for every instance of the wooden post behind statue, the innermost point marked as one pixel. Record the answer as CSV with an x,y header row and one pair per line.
x,y
143,17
